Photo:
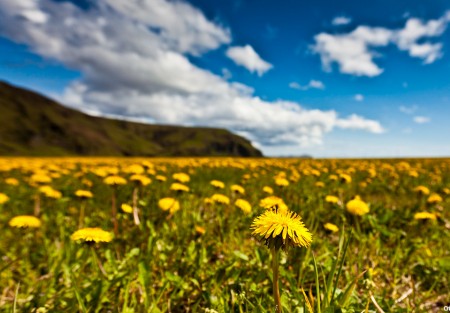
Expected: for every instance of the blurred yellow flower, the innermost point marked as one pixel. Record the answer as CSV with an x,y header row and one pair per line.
x,y
179,187
181,177
134,169
319,184
357,206
12,181
217,184
141,179
331,227
434,198
220,198
244,205
332,199
161,178
126,208
268,190
115,180
422,190
91,235
280,181
238,189
345,178
200,230
425,216
273,202
25,221
169,204
3,198
83,194
41,179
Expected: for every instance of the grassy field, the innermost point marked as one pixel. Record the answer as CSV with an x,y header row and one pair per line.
x,y
181,243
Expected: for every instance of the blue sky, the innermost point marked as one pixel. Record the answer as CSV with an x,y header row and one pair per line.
x,y
348,79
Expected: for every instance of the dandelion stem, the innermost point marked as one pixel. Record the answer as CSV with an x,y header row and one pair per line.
x,y
81,218
275,270
37,204
114,212
135,208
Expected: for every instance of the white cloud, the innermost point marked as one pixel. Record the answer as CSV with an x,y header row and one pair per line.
x,y
421,119
358,97
135,65
408,110
247,57
341,20
351,51
313,84
354,54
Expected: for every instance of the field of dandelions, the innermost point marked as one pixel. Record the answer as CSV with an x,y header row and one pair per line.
x,y
222,234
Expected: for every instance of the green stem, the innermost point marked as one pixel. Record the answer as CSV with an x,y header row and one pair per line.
x,y
81,218
114,212
276,274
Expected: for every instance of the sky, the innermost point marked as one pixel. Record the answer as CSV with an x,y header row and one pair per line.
x,y
323,78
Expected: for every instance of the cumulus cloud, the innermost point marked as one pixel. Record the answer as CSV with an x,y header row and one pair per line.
x,y
341,20
247,57
133,60
421,119
358,97
313,84
354,51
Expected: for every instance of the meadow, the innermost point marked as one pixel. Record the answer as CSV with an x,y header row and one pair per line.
x,y
176,235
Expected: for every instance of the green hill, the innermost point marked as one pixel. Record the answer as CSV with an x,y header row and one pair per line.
x,y
31,124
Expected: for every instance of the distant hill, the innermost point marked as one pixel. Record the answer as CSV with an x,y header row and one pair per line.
x,y
31,124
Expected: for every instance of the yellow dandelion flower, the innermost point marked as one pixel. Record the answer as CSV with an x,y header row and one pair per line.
x,y
333,177
49,192
91,235
434,198
268,190
3,198
169,204
422,190
126,208
134,169
140,179
12,181
238,189
181,177
281,229
40,179
25,221
207,201
446,191
273,202
115,180
83,194
319,184
161,178
217,184
332,199
179,187
282,182
244,205
345,178
357,206
425,216
200,230
331,227
220,198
